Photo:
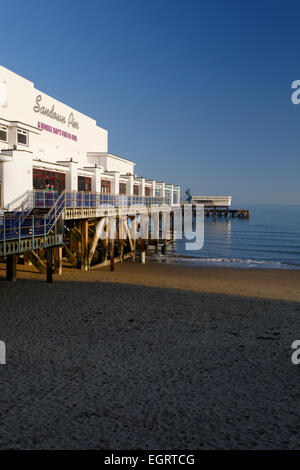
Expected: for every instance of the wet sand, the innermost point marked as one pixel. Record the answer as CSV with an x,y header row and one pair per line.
x,y
150,357
280,284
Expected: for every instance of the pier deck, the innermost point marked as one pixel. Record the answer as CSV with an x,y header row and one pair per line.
x,y
216,211
226,212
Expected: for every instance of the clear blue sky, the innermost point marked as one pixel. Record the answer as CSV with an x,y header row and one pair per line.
x,y
196,92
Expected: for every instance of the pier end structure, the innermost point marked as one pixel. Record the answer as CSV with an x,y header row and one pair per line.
x,y
219,206
213,201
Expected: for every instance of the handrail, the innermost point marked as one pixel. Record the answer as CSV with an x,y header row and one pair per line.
x,y
22,196
55,211
26,207
16,226
91,200
32,226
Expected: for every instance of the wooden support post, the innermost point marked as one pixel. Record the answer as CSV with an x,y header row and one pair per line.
x,y
49,264
121,250
164,248
75,239
112,254
11,267
121,237
57,252
27,262
128,234
71,257
111,235
172,222
147,225
133,225
106,240
143,252
84,245
164,233
143,237
37,262
155,230
99,228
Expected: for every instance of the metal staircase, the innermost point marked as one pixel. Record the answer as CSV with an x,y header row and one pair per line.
x,y
21,229
22,206
55,211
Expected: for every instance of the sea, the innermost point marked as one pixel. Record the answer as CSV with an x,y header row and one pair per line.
x,y
270,238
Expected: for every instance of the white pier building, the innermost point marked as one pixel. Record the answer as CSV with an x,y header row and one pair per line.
x,y
45,145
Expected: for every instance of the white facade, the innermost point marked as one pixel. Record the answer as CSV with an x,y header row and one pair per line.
x,y
39,134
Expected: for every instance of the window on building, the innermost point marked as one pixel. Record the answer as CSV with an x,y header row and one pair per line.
x,y
167,196
158,191
3,133
175,197
22,136
136,189
122,188
105,186
84,183
147,191
48,180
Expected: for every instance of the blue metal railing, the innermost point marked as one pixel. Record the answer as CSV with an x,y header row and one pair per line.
x,y
14,227
84,199
19,225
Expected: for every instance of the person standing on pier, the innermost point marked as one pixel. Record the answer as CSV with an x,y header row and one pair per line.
x,y
189,195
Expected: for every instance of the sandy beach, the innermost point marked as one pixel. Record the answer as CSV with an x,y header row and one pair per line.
x,y
151,356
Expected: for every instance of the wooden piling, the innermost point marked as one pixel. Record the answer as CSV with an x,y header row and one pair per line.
x,y
125,224
11,267
37,262
71,257
164,234
84,245
49,265
143,252
121,233
98,230
172,223
164,248
57,253
133,225
112,254
144,235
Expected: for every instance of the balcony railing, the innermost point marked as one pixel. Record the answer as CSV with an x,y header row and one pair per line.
x,y
14,227
90,200
20,225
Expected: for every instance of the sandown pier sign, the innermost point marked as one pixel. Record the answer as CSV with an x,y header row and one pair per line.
x,y
52,114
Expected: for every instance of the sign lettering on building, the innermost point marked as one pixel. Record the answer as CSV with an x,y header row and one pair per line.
x,y
51,113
